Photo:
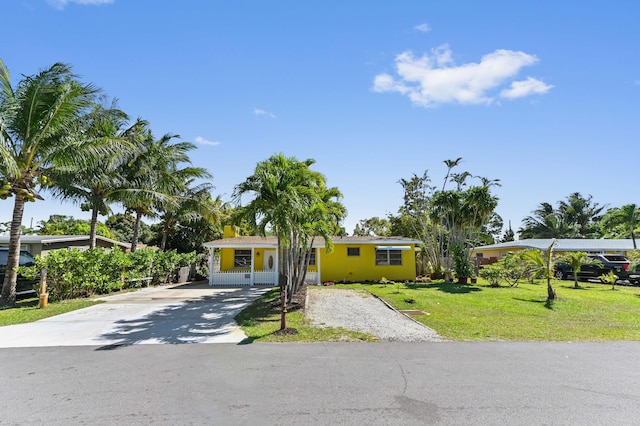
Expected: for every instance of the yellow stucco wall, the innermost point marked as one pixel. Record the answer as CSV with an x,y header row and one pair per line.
x,y
339,267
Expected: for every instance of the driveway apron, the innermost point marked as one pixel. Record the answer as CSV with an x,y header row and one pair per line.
x,y
190,313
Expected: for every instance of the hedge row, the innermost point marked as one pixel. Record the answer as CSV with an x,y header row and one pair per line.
x,y
73,273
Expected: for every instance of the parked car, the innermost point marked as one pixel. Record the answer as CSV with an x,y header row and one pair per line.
x,y
615,263
24,286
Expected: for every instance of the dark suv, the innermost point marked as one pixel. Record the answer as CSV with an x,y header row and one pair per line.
x,y
23,287
615,263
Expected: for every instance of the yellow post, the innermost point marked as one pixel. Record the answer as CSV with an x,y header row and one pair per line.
x,y
44,296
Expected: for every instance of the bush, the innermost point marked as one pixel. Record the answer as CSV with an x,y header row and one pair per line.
x,y
73,273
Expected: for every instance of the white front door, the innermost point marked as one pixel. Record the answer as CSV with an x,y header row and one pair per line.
x,y
269,261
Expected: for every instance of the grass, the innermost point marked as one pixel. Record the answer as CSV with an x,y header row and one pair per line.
x,y
477,312
27,310
262,318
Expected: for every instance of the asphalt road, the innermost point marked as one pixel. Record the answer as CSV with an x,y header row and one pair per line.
x,y
533,383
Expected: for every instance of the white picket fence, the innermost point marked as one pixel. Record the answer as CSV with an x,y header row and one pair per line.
x,y
243,278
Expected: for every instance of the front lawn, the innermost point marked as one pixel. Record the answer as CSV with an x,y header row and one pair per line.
x,y
27,310
464,312
480,312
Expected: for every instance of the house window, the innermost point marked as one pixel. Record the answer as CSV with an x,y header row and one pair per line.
x,y
388,257
353,251
312,261
242,259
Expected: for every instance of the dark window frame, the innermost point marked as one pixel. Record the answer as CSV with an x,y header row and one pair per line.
x,y
240,257
386,257
350,249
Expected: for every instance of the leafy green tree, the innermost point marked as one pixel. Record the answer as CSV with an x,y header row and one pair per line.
x,y
35,119
576,260
622,222
373,226
67,225
121,226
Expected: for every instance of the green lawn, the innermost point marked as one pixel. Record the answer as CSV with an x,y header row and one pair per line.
x,y
479,312
27,310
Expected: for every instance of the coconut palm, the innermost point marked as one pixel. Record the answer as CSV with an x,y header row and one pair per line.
x,y
35,119
153,177
580,211
192,204
546,222
627,217
97,186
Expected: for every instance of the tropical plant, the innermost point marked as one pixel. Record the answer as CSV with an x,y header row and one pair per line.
x,y
35,139
373,226
292,202
576,260
609,278
153,177
581,212
95,187
542,265
622,222
67,225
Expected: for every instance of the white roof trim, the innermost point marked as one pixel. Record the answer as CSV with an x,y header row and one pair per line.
x,y
393,247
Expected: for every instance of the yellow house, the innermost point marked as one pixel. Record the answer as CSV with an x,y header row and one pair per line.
x,y
239,261
494,252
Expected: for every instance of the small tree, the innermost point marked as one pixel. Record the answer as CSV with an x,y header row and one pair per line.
x,y
609,278
576,260
542,264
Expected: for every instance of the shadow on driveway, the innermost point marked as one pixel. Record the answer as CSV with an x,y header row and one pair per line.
x,y
206,319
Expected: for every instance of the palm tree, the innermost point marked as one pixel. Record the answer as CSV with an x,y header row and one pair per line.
x,y
97,186
35,119
192,204
542,265
627,216
153,178
579,211
290,200
576,260
546,222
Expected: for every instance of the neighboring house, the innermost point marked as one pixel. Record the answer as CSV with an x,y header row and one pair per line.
x,y
43,244
236,260
494,252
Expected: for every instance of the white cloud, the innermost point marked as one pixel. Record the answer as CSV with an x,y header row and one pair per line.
x,y
258,111
434,79
60,4
423,28
530,86
202,141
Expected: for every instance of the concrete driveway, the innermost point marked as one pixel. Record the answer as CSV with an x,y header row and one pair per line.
x,y
189,313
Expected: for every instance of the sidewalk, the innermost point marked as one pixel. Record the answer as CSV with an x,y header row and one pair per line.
x,y
188,313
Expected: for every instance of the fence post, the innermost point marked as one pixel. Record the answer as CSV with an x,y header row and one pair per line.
x,y
44,296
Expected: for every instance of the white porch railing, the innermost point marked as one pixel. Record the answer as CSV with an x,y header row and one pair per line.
x,y
243,278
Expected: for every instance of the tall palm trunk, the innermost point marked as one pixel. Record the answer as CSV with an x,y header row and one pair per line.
x,y
94,226
136,231
8,296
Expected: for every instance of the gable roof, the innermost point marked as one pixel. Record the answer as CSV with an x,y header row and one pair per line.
x,y
563,244
319,242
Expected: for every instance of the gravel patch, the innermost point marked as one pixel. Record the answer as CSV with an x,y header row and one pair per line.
x,y
360,311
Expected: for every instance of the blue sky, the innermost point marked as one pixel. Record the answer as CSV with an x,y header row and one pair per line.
x,y
542,95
